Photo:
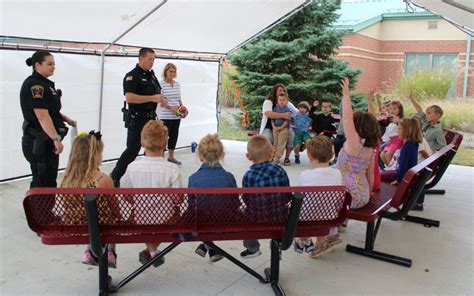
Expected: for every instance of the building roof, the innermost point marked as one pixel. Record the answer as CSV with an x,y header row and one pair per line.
x,y
356,15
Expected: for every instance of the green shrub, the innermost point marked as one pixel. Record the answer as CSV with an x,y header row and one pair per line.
x,y
425,85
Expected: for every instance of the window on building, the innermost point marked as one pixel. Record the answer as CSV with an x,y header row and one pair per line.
x,y
424,61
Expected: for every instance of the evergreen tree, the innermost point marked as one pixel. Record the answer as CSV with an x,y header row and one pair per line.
x,y
298,53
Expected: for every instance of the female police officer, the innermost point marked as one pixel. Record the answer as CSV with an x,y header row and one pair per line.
x,y
43,126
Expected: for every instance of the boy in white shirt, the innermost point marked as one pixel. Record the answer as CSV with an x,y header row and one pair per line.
x,y
153,171
320,152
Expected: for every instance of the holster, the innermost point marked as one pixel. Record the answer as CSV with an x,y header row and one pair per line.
x,y
39,138
127,116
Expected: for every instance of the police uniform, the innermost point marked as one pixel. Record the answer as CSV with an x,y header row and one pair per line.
x,y
144,83
38,92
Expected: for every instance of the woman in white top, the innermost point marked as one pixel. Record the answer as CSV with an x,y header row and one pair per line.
x,y
268,114
170,89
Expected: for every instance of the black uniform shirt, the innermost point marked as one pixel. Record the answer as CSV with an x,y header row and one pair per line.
x,y
143,83
38,92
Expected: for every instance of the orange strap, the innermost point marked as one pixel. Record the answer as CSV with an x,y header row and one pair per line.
x,y
245,116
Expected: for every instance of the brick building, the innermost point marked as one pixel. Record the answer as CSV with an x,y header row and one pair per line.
x,y
386,42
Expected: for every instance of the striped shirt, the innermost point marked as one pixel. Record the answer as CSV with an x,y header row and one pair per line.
x,y
173,95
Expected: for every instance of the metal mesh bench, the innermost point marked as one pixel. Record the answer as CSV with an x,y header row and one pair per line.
x,y
105,216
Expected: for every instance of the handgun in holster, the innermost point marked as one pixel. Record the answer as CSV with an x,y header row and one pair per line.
x,y
126,115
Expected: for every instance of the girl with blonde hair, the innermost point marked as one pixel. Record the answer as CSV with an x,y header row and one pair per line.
x,y
83,171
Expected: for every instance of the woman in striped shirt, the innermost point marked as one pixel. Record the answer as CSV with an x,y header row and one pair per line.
x,y
170,89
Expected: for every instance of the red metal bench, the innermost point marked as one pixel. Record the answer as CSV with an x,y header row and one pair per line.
x,y
107,216
438,167
394,202
452,137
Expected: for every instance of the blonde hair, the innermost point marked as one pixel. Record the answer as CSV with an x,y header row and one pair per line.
x,y
258,148
320,149
86,156
411,130
436,109
211,150
154,135
167,67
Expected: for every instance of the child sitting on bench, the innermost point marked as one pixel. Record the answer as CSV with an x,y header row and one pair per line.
x,y
153,171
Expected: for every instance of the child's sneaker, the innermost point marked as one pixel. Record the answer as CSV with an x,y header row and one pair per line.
x,y
298,247
320,250
112,258
213,256
297,159
144,257
89,259
247,254
201,250
309,246
334,240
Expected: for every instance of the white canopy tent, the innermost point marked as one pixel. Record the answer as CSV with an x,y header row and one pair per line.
x,y
91,81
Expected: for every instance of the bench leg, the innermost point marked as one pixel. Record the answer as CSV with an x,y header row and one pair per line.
x,y
104,279
237,262
435,191
142,268
420,220
368,251
273,273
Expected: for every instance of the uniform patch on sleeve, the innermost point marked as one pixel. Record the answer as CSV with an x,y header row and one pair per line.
x,y
129,78
37,91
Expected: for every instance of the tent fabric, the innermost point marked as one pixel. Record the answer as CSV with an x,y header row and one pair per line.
x,y
459,12
198,25
79,79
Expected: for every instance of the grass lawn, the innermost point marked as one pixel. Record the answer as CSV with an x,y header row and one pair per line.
x,y
465,156
231,132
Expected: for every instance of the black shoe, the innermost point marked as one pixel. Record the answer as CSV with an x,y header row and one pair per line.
x,y
213,256
144,257
247,254
417,207
201,250
174,160
297,159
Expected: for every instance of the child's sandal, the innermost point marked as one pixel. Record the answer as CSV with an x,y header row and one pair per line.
x,y
287,162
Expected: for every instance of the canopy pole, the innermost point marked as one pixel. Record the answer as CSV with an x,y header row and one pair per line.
x,y
102,55
280,20
466,66
220,73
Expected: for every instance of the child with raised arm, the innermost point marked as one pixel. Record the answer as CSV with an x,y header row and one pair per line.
x,y
211,174
320,152
356,158
280,127
430,125
153,171
302,125
262,173
391,140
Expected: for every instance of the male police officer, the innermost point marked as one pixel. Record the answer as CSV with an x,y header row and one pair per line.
x,y
142,93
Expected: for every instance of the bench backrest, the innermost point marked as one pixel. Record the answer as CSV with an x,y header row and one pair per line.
x,y
57,212
411,179
453,137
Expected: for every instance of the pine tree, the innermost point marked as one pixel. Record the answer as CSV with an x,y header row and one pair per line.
x,y
298,53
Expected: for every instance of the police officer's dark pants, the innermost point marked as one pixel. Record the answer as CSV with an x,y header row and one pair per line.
x,y
129,155
44,169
